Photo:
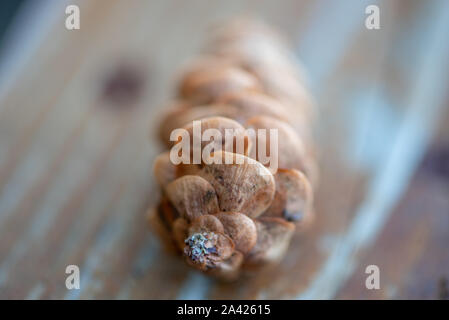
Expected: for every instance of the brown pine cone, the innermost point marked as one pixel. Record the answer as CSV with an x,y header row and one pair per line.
x,y
224,218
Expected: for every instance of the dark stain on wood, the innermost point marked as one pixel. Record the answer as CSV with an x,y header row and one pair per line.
x,y
124,86
436,162
443,290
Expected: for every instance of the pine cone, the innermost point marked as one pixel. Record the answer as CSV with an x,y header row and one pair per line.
x,y
224,218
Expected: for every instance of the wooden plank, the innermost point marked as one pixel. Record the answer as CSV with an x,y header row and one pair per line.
x,y
411,251
75,166
394,172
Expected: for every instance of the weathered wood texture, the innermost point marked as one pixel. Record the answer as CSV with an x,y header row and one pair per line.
x,y
75,157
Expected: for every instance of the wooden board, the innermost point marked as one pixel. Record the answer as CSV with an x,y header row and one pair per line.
x,y
75,158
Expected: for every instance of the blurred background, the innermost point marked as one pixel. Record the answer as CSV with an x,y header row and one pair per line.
x,y
79,110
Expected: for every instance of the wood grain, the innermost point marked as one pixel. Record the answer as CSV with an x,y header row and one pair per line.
x,y
75,164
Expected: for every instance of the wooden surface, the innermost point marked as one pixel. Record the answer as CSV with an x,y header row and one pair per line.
x,y
75,157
